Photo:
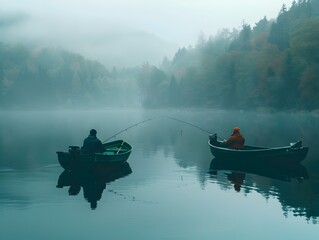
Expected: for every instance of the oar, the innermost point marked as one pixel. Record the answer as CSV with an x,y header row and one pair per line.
x,y
120,147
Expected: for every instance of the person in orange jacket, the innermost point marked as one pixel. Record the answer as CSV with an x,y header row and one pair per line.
x,y
236,140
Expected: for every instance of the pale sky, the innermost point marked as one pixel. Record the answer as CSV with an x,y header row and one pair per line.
x,y
177,22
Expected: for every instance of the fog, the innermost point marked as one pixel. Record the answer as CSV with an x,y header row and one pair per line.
x,y
69,66
125,33
159,54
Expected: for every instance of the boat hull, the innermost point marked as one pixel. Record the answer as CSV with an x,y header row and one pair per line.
x,y
116,152
249,153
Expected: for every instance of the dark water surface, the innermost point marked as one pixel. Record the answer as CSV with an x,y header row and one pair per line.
x,y
168,190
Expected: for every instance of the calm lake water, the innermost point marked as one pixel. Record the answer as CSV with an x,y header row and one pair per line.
x,y
169,190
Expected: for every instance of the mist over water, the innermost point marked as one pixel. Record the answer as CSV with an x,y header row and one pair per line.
x,y
161,75
170,181
58,129
122,33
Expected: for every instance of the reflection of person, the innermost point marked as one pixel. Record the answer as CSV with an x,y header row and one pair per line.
x,y
93,192
74,189
92,144
91,181
92,185
236,178
236,140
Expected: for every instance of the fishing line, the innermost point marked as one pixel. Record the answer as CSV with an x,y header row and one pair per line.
x,y
193,125
150,119
134,125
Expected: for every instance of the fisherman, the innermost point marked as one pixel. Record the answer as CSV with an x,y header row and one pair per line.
x,y
236,140
92,144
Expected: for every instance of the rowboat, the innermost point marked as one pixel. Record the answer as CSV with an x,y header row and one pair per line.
x,y
293,153
283,172
116,152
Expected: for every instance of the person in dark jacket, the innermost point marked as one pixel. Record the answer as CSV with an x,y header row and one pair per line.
x,y
236,140
92,144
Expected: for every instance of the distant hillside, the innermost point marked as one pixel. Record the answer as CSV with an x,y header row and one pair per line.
x,y
125,49
274,64
57,79
119,47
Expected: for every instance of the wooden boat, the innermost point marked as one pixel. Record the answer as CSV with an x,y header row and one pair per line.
x,y
283,172
293,153
116,152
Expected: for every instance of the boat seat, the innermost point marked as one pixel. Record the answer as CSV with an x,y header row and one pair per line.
x,y
109,153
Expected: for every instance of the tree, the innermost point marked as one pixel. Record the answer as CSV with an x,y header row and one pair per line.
x,y
305,42
151,81
279,31
242,43
261,27
309,87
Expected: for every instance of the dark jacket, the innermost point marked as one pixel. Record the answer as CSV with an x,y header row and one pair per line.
x,y
92,145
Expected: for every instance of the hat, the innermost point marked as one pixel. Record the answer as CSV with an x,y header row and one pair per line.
x,y
93,132
236,129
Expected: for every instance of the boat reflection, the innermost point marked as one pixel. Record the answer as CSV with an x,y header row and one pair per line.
x,y
93,182
283,172
286,183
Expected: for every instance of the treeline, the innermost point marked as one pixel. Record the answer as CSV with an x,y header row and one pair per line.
x,y
274,64
52,78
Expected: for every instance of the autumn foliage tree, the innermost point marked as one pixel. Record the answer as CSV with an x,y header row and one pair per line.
x,y
270,65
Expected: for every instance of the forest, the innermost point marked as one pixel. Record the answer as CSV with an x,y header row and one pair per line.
x,y
51,78
274,64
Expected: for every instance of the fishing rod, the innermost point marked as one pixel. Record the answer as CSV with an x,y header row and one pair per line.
x,y
150,119
193,125
134,125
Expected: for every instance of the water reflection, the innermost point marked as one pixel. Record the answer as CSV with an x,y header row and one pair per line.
x,y
92,182
170,161
237,179
287,183
287,172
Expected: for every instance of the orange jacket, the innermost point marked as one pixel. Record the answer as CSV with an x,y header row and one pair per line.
x,y
235,141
